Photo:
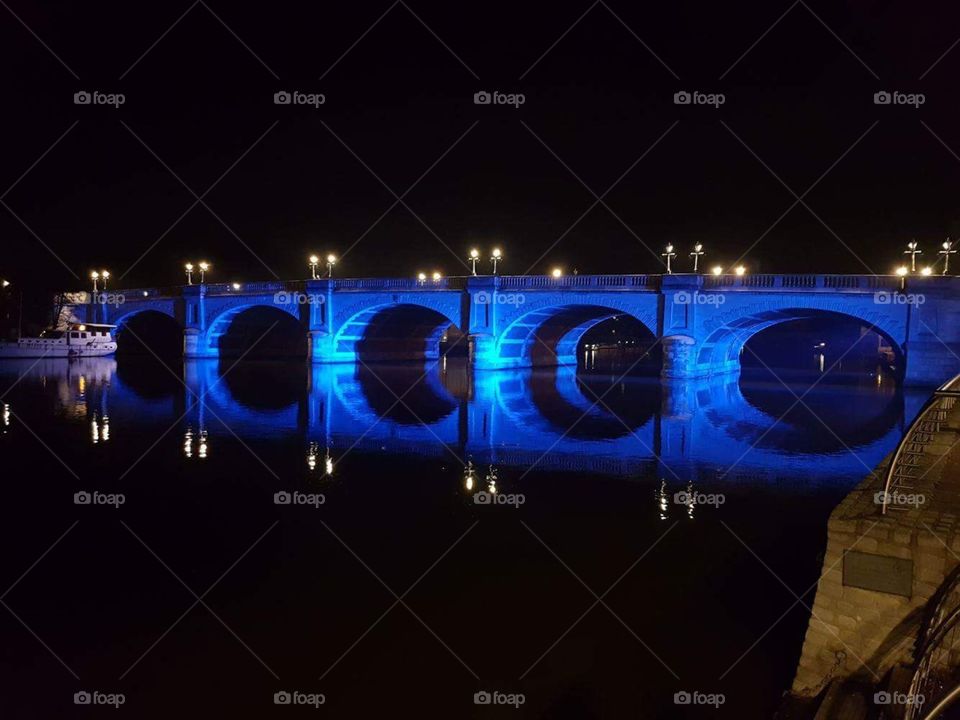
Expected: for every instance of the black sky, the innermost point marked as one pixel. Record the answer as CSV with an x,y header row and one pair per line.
x,y
799,99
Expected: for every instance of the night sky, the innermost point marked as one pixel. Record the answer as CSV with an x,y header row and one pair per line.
x,y
116,190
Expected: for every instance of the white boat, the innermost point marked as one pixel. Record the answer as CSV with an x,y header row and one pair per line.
x,y
78,340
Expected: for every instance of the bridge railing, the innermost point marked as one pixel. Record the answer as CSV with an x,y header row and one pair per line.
x,y
529,282
444,283
862,283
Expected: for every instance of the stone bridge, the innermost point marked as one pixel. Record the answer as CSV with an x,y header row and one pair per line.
x,y
702,321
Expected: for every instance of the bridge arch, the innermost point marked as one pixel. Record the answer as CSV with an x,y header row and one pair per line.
x,y
398,331
721,349
551,335
148,329
284,329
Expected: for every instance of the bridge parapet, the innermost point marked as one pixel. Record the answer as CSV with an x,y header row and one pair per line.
x,y
806,283
580,282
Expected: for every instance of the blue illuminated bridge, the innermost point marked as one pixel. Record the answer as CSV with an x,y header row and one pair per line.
x,y
702,321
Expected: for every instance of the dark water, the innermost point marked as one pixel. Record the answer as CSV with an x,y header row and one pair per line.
x,y
491,596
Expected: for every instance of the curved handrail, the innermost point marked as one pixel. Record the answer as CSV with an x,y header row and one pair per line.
x,y
947,391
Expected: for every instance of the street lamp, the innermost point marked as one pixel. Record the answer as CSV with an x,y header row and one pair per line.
x,y
6,284
913,252
331,261
557,272
697,252
105,275
437,276
421,278
95,276
740,270
926,271
204,266
947,252
717,270
668,255
902,270
495,257
474,256
189,270
314,262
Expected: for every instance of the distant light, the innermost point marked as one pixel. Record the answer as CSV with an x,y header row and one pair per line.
x,y
188,267
94,275
902,270
669,248
557,272
204,266
717,270
81,328
236,286
105,274
946,245
437,276
496,252
314,259
740,270
698,247
926,271
331,258
421,277
6,283
474,253
146,294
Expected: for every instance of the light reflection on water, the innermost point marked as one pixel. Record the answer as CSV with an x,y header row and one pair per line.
x,y
402,451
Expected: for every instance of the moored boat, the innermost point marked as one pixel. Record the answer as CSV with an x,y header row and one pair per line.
x,y
78,340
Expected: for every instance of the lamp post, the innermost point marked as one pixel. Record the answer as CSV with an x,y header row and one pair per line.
x,y
314,263
697,252
436,277
474,256
912,252
902,274
104,275
669,254
331,261
204,266
188,268
95,276
947,252
421,278
495,257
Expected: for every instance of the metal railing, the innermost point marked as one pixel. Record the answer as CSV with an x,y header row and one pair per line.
x,y
861,283
937,669
517,282
905,466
